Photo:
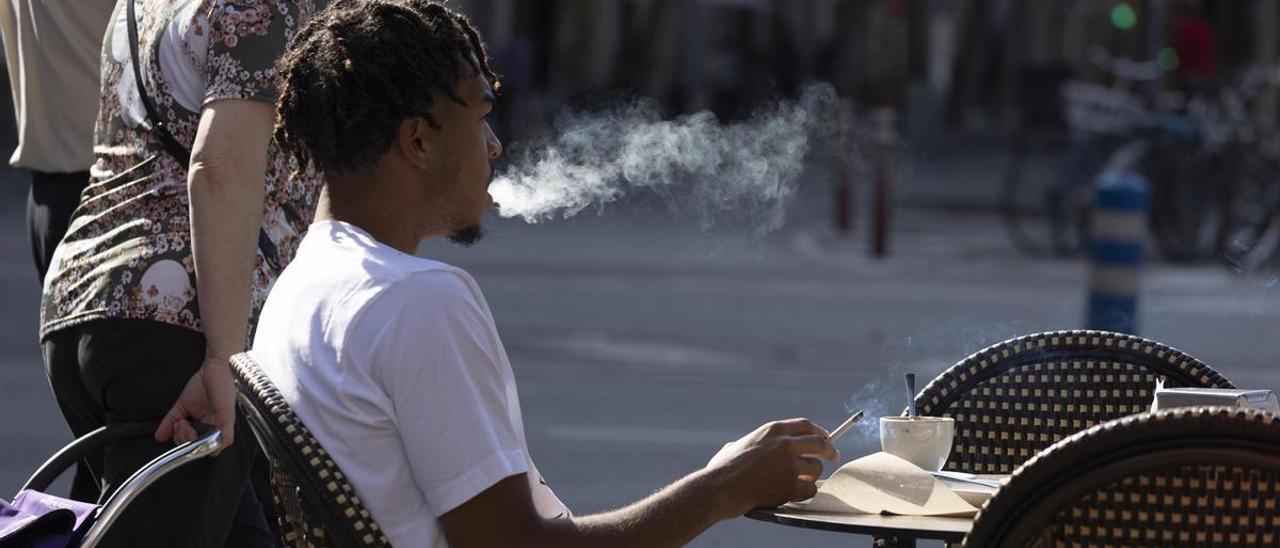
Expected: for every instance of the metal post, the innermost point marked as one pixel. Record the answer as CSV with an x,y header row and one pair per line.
x,y
1266,51
1119,236
692,48
883,162
843,144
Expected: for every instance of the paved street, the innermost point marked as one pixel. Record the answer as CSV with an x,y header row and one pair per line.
x,y
641,342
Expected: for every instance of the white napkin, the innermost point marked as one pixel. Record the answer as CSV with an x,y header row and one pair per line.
x,y
1169,398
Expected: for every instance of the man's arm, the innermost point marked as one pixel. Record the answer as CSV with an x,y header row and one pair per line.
x,y
775,464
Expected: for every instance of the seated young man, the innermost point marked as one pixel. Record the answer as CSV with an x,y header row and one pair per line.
x,y
393,361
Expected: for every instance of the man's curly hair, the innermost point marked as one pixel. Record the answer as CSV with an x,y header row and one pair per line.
x,y
359,68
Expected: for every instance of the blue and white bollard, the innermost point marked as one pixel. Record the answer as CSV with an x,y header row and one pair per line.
x,y
1121,201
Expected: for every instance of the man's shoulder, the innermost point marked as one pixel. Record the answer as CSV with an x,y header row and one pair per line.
x,y
417,314
358,287
337,274
430,283
387,285
337,250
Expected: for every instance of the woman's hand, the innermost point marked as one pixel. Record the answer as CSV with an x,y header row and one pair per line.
x,y
209,397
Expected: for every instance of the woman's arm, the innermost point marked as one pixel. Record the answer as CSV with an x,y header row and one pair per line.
x,y
226,190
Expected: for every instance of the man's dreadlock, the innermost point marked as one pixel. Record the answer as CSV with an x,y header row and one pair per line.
x,y
361,67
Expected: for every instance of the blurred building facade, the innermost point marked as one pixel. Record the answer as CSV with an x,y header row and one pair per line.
x,y
962,63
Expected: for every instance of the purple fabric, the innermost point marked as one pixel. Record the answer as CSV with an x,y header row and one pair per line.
x,y
41,519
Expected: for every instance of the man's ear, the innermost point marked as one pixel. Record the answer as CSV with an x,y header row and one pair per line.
x,y
413,140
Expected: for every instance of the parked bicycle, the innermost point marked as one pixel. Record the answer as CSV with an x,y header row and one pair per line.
x,y
1211,166
1051,213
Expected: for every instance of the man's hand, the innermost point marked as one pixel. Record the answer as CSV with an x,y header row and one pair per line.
x,y
775,464
209,397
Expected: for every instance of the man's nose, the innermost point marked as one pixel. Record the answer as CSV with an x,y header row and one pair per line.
x,y
491,140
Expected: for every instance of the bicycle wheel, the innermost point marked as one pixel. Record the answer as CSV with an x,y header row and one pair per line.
x,y
1251,235
1046,197
1022,220
1188,202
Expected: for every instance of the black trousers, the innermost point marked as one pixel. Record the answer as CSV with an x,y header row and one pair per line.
x,y
50,203
51,200
113,371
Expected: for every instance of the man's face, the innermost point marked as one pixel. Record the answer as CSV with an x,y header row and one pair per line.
x,y
463,149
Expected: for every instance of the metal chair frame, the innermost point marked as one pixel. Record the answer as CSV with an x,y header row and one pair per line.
x,y
99,523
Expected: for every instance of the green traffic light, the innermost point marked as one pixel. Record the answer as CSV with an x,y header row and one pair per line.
x,y
1123,16
1167,59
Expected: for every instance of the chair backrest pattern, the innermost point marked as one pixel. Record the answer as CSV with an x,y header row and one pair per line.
x,y
1201,505
318,506
1015,398
1207,476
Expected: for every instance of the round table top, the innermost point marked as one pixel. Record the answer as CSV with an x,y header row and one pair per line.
x,y
947,529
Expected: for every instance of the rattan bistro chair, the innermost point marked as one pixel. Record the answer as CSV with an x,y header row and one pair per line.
x,y
316,504
1015,398
1202,476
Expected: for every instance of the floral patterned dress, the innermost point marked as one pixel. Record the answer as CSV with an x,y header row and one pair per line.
x,y
127,252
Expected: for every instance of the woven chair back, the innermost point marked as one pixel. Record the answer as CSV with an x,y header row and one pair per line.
x,y
317,506
1015,398
1206,476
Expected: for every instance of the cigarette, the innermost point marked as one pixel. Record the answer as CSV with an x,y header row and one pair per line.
x,y
848,424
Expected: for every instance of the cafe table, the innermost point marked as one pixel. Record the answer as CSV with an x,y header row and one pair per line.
x,y
906,529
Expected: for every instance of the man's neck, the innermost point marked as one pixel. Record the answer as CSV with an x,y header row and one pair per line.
x,y
393,222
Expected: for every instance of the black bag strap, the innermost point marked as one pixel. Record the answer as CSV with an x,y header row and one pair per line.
x,y
161,129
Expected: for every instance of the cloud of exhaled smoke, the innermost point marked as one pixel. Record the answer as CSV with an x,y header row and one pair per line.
x,y
693,163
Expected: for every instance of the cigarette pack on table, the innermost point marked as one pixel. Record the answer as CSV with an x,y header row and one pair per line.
x,y
1169,398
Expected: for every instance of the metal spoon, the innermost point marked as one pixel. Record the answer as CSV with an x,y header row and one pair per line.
x,y
911,395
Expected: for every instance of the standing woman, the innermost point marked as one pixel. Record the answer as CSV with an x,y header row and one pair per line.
x,y
189,216
51,48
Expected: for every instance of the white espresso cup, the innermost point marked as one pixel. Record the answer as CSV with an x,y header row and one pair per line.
x,y
922,441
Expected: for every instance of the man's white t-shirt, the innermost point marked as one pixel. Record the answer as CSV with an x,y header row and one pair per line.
x,y
394,363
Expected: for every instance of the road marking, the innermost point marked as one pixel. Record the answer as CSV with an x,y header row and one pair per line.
x,y
651,353
631,434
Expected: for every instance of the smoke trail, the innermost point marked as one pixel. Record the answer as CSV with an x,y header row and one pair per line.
x,y
875,399
694,163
